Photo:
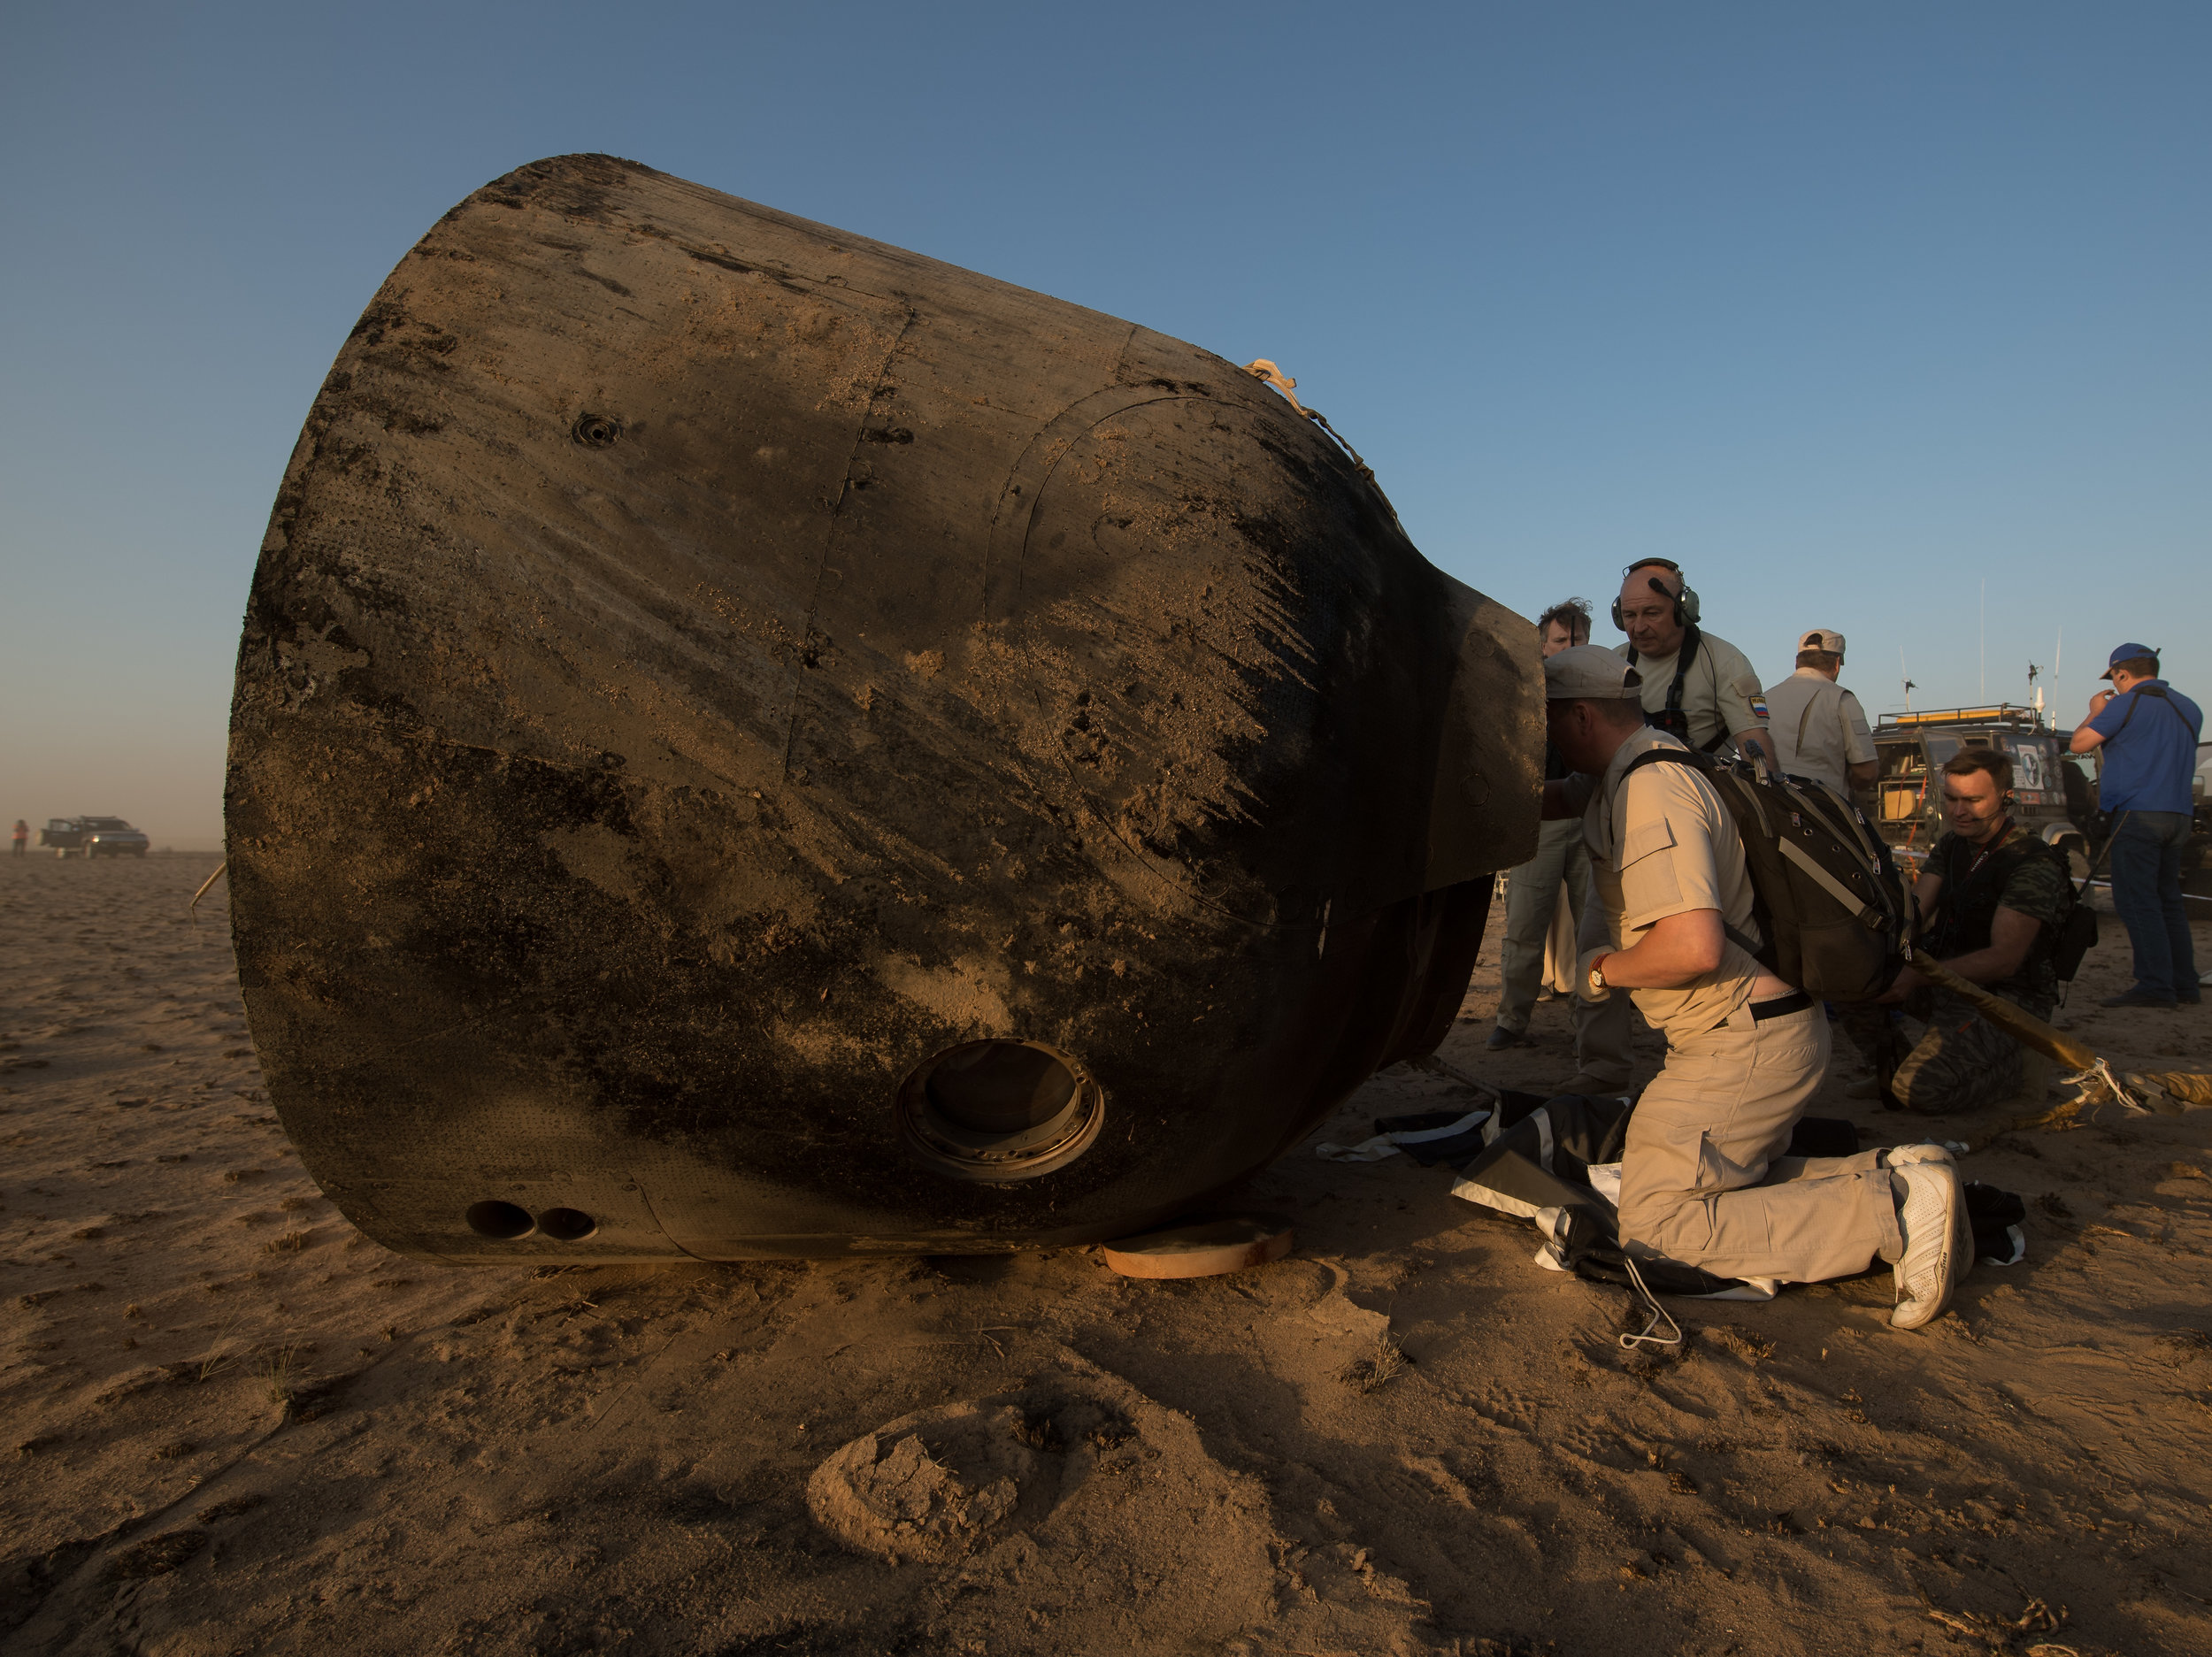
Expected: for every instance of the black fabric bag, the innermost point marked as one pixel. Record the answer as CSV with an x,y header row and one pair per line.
x,y
1998,1216
2076,937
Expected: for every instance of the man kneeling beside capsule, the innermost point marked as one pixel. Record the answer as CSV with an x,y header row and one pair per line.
x,y
1704,1179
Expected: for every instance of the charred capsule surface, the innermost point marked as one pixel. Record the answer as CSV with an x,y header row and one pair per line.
x,y
751,741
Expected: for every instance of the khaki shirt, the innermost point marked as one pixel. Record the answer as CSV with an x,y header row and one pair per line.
x,y
1721,695
1664,845
1818,728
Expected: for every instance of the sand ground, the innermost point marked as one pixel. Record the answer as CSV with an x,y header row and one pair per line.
x,y
233,1425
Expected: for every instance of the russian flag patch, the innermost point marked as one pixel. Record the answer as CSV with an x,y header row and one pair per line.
x,y
1759,706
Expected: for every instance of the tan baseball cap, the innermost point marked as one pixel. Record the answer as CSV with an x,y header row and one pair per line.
x,y
1821,639
1589,673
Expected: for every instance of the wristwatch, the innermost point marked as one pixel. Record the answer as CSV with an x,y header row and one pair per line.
x,y
1597,987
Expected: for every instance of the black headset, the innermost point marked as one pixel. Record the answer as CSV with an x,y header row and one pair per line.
x,y
1684,601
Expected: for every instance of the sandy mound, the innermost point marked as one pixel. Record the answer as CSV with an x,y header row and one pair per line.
x,y
933,1485
236,1426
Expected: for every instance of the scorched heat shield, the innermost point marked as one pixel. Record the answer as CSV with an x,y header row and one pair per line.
x,y
750,742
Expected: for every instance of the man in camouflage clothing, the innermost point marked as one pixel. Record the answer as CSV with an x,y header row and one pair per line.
x,y
1992,898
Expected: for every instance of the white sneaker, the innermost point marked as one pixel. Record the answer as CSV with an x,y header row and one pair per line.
x,y
1902,1156
1905,1156
1930,1217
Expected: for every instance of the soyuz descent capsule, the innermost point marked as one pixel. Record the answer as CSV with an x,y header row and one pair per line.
x,y
750,742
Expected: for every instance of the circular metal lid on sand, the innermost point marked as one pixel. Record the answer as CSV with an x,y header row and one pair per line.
x,y
1203,1248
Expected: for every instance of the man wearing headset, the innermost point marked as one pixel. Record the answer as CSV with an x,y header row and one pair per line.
x,y
1701,691
1698,688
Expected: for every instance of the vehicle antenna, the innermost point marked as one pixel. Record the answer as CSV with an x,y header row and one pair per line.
x,y
1905,673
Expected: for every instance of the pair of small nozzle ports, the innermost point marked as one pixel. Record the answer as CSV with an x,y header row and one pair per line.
x,y
507,1221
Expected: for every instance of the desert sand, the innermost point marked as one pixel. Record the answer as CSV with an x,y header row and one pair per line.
x,y
235,1425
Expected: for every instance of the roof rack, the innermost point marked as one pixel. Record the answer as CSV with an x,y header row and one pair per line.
x,y
2010,713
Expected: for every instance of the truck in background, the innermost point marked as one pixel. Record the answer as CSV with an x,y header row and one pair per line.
x,y
93,837
2054,795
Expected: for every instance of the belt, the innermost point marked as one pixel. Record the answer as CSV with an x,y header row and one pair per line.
x,y
1780,1007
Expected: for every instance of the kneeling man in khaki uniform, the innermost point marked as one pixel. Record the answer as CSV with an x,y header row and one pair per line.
x,y
1703,1179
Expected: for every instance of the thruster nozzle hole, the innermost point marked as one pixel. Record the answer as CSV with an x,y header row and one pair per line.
x,y
567,1225
999,1087
1000,1110
501,1220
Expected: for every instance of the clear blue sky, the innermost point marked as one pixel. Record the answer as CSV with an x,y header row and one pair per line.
x,y
1849,307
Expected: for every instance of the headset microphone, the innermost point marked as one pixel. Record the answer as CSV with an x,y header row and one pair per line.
x,y
1686,606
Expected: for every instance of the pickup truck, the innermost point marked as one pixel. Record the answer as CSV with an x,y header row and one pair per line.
x,y
93,837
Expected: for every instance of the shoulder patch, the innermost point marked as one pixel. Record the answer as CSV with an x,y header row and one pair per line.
x,y
1758,703
1645,838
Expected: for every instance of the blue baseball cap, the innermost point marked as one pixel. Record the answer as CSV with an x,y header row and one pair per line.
x,y
2126,653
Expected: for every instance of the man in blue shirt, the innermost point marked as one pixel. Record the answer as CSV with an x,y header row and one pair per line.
x,y
2144,734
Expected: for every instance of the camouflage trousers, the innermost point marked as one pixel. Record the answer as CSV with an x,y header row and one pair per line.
x,y
1961,1062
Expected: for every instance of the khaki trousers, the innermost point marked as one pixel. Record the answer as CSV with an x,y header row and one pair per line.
x,y
1703,1179
1532,894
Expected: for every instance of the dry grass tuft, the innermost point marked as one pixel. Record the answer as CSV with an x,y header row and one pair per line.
x,y
221,1356
284,1373
1378,1368
290,1243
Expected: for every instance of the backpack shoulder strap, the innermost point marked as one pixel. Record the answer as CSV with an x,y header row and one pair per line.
x,y
2195,729
2130,714
1650,756
1677,756
1697,763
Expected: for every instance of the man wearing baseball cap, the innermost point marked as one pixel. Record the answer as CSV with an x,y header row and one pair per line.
x,y
1704,1178
2145,734
1817,728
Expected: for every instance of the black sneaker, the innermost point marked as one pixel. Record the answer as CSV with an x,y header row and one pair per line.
x,y
2138,998
1500,1038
